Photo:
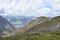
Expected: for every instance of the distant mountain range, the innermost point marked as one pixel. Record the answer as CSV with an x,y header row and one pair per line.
x,y
19,21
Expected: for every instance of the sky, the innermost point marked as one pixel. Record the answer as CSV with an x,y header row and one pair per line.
x,y
30,7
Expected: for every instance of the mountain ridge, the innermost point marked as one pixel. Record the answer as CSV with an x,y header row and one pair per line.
x,y
5,26
51,24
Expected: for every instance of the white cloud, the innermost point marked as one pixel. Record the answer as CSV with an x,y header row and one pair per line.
x,y
43,11
30,7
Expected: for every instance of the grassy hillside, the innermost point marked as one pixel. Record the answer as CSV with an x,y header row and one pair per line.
x,y
57,19
38,36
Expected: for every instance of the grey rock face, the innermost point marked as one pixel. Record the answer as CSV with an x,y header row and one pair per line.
x,y
5,26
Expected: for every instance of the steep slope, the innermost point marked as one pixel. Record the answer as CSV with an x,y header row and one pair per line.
x,y
31,24
19,22
5,26
36,22
50,25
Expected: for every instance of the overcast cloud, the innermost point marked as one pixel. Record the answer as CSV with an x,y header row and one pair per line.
x,y
30,7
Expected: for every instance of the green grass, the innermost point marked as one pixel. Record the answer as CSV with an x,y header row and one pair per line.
x,y
38,36
57,19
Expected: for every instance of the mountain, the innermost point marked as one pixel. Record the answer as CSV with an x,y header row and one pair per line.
x,y
35,22
5,26
19,21
42,28
42,24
